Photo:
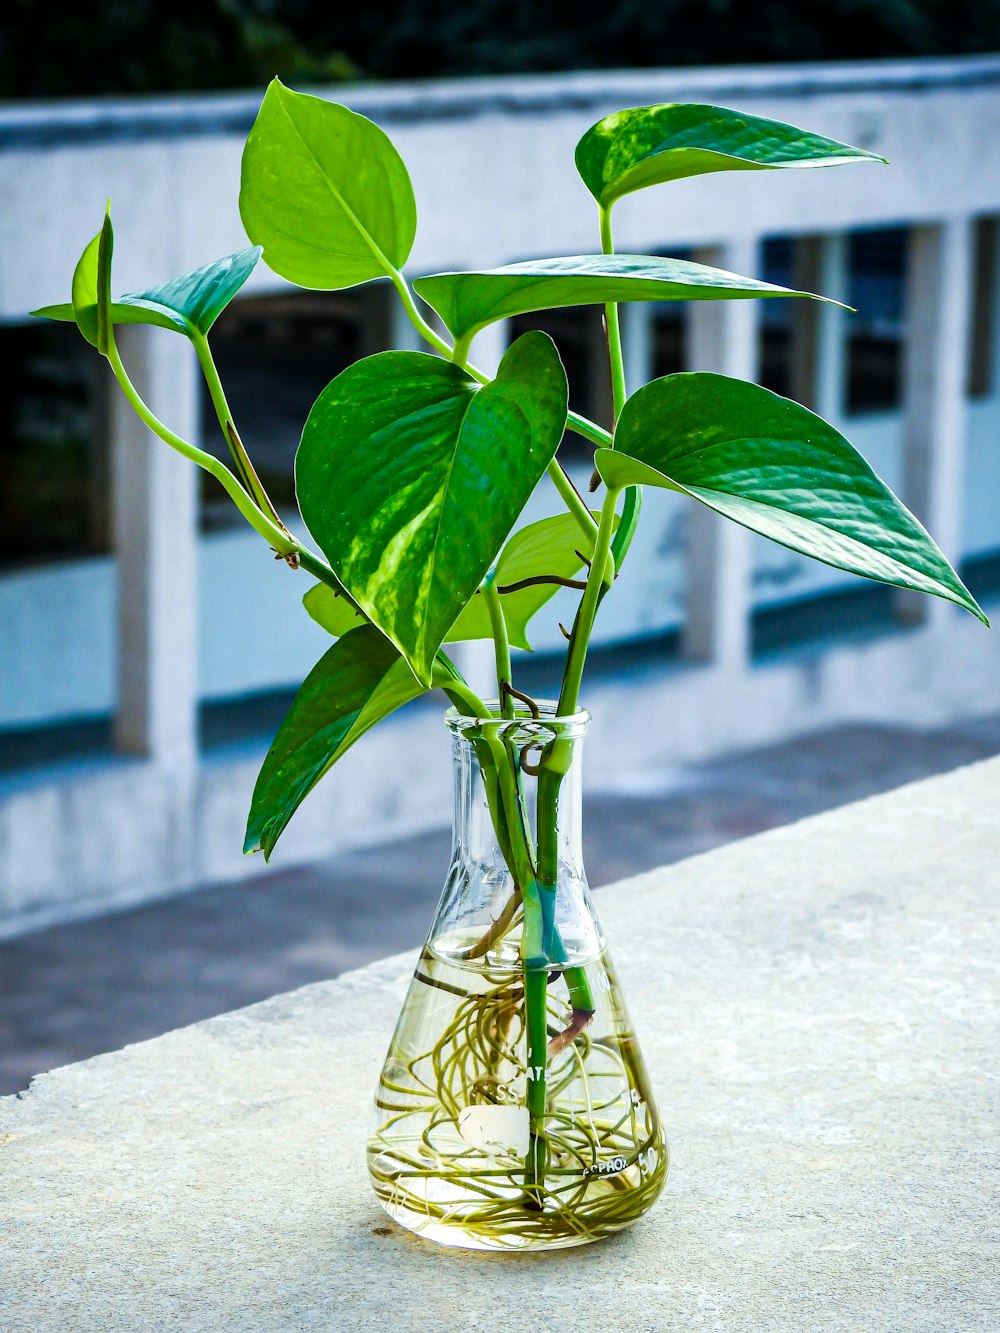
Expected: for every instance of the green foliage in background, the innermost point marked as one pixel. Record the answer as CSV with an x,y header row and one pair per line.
x,y
119,46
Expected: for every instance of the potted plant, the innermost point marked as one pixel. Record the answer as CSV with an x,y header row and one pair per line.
x,y
514,1110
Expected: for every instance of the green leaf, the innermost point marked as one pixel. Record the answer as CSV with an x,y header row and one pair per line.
x,y
105,251
84,290
325,193
409,477
188,304
331,611
647,145
548,546
780,470
469,301
195,300
355,684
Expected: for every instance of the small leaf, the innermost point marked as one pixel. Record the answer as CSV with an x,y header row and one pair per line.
x,y
548,546
410,477
105,252
355,684
469,301
779,470
325,193
84,307
648,145
331,611
195,300
186,304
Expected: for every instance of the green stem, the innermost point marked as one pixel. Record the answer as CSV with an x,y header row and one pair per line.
x,y
627,526
618,390
535,1005
573,501
501,641
278,537
633,494
421,325
601,572
590,430
227,422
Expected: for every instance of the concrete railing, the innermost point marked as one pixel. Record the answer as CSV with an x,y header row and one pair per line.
x,y
199,617
818,1011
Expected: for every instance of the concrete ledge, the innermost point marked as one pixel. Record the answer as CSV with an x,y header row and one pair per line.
x,y
65,851
818,1010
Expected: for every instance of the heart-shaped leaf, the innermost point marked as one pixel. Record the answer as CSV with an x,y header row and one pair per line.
x,y
780,470
355,684
549,546
410,476
647,145
188,304
469,301
325,193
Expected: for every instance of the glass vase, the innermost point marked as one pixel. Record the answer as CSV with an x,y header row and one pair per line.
x,y
514,1111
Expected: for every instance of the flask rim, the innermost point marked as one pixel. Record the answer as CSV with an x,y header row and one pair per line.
x,y
569,724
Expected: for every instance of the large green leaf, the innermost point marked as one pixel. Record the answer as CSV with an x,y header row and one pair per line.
x,y
191,303
780,470
355,684
410,477
324,192
647,145
549,546
469,301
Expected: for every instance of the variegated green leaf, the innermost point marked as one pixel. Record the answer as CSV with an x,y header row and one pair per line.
x,y
355,684
410,476
467,302
780,470
647,145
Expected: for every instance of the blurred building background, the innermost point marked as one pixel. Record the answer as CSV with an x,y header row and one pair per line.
x,y
149,644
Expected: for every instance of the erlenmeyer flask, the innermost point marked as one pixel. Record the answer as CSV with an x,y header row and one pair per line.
x,y
514,1110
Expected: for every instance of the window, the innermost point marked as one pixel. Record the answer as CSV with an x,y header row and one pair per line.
x,y
53,462
578,332
985,292
275,355
877,280
776,371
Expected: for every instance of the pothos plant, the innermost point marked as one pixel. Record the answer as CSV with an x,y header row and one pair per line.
x,y
414,467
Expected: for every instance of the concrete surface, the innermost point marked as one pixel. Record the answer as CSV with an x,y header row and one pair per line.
x,y
77,990
818,1008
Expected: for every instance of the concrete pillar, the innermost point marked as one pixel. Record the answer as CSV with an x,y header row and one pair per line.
x,y
722,337
638,350
156,542
938,307
819,330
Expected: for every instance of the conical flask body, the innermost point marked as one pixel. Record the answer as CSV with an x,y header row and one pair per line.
x,y
514,1111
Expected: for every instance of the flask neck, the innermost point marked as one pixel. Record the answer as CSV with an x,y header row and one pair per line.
x,y
520,782
517,891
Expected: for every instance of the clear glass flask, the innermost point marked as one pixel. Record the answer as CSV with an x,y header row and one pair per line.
x,y
514,1111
